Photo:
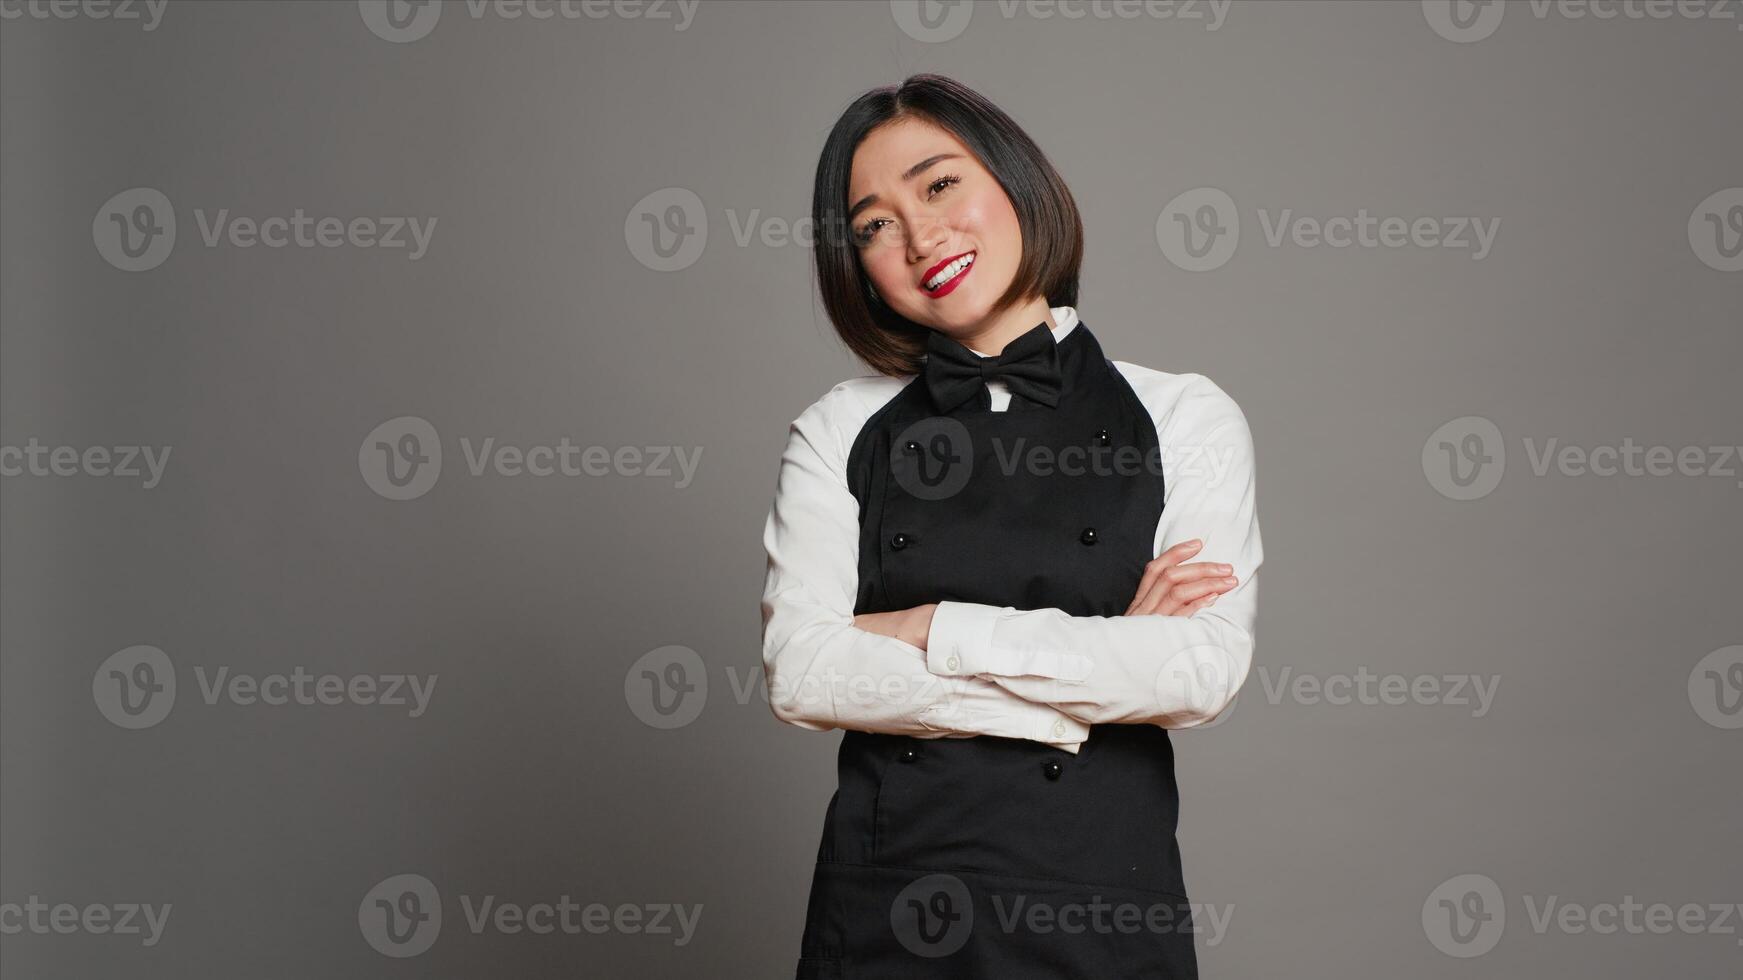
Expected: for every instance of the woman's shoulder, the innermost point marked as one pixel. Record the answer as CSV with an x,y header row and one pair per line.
x,y
844,409
1183,400
858,396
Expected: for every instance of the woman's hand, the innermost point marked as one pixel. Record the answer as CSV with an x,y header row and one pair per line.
x,y
908,625
1170,588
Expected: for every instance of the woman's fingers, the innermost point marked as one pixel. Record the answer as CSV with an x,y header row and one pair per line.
x,y
1187,593
1170,580
1158,566
1207,601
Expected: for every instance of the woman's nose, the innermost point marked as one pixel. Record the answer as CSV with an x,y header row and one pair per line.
x,y
926,239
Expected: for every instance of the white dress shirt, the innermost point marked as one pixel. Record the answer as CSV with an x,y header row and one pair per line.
x,y
1039,674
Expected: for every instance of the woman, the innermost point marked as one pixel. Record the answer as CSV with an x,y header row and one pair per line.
x,y
979,569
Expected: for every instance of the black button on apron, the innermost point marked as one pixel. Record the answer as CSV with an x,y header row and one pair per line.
x,y
1051,768
1088,536
1101,437
909,753
901,541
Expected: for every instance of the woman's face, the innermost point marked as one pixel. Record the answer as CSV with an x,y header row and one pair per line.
x,y
932,207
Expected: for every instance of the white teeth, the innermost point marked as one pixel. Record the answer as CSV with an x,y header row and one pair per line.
x,y
949,272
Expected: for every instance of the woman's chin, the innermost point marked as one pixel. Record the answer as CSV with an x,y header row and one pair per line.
x,y
960,309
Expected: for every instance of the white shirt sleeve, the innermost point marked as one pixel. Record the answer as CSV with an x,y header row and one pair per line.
x,y
822,671
1172,671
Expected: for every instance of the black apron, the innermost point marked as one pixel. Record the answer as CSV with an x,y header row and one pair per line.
x,y
992,857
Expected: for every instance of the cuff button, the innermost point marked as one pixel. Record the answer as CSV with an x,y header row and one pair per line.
x,y
952,663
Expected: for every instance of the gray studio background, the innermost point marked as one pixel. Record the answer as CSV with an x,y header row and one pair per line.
x,y
561,160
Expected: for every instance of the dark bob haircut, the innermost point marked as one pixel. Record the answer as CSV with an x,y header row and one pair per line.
x,y
1052,230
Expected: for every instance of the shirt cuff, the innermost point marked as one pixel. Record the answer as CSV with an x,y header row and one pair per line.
x,y
977,714
1066,733
961,642
959,638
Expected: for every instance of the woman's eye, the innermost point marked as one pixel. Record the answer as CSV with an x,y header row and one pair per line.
x,y
946,181
870,229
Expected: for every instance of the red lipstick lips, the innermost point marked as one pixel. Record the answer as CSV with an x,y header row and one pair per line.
x,y
950,286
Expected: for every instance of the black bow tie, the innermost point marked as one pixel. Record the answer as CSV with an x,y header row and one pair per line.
x,y
1029,366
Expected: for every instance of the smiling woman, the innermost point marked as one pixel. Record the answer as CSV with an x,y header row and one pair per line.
x,y
937,165
969,574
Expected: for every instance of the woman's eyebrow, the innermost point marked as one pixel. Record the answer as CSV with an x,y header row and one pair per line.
x,y
907,175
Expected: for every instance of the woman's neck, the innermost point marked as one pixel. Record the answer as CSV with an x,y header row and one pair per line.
x,y
991,336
